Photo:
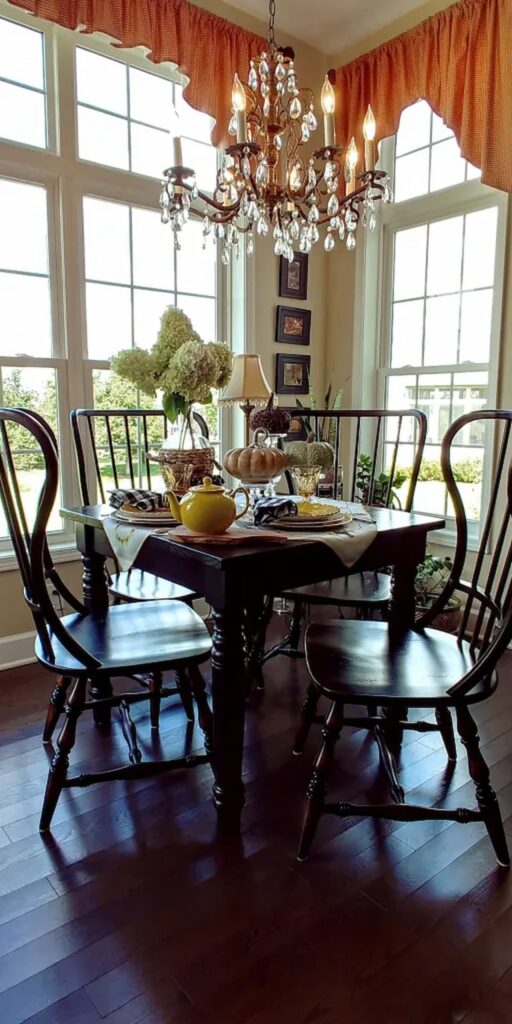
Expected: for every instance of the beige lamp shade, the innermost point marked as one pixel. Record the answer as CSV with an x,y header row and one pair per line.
x,y
248,382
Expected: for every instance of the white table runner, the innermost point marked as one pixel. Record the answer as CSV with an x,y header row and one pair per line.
x,y
348,544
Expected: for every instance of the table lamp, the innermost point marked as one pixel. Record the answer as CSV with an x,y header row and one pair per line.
x,y
248,387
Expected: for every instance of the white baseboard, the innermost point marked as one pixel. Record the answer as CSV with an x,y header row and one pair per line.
x,y
16,650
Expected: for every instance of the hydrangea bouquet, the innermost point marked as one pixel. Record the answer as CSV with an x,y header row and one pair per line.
x,y
180,365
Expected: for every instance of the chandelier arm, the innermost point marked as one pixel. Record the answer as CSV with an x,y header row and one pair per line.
x,y
209,200
271,19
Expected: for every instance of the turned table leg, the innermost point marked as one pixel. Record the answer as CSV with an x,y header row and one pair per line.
x,y
228,692
401,618
402,601
94,576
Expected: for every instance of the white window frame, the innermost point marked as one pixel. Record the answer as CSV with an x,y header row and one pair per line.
x,y
68,179
374,277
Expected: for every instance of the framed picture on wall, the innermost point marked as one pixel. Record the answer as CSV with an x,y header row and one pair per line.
x,y
293,325
293,277
297,431
292,374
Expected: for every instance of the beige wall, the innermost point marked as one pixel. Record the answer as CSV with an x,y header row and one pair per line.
x,y
266,299
15,616
395,28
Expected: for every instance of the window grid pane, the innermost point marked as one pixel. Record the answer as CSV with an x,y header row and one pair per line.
x,y
427,156
439,281
23,116
127,117
441,309
131,269
133,272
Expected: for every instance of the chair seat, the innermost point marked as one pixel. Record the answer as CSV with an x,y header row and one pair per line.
x,y
363,588
133,637
137,585
353,662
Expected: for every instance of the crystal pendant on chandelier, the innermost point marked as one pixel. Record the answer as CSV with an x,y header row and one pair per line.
x,y
306,197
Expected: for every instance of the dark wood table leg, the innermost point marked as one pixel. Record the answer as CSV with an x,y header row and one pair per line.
x,y
228,692
402,602
94,573
95,597
401,618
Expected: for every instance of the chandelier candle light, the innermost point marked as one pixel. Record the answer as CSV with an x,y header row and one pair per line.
x,y
266,182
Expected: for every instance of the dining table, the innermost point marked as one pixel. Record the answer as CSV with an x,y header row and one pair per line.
x,y
234,577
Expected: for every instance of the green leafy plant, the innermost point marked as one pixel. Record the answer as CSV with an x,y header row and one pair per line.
x,y
381,484
431,578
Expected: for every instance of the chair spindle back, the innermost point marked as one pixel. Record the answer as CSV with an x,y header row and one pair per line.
x,y
116,442
29,540
370,442
487,591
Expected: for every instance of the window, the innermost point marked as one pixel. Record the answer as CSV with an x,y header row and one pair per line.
x,y
23,115
86,267
427,157
442,253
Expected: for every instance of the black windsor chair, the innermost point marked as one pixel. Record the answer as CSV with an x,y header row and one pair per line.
x,y
128,434
360,663
82,647
384,436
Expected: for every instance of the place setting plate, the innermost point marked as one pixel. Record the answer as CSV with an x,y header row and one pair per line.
x,y
333,522
133,516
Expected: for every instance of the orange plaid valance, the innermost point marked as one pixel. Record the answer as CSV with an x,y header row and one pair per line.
x,y
460,61
206,48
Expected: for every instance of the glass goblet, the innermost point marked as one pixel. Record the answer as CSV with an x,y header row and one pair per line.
x,y
306,480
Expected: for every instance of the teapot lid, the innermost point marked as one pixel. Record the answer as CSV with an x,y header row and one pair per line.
x,y
208,487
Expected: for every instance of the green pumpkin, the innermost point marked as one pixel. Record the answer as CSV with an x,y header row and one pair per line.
x,y
310,453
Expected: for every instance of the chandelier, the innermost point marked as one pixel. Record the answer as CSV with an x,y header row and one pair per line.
x,y
265,181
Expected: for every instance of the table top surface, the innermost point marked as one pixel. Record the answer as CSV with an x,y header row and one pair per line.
x,y
388,522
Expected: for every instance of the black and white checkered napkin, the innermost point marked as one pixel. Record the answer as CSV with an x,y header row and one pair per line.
x,y
267,509
145,501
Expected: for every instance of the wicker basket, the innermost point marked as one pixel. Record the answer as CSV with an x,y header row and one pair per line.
x,y
172,461
448,620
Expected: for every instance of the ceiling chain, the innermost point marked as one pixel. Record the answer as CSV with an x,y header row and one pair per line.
x,y
271,19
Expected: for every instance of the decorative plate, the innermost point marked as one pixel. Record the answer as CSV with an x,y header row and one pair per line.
x,y
160,517
334,523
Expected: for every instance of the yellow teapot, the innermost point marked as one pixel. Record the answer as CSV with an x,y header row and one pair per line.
x,y
208,508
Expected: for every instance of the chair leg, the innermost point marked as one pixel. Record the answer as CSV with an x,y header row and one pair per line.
x,y
183,684
485,795
55,706
295,625
100,689
155,697
204,714
308,711
317,786
445,724
65,743
254,630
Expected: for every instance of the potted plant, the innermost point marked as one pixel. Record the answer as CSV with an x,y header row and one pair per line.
x,y
180,366
431,578
381,483
182,369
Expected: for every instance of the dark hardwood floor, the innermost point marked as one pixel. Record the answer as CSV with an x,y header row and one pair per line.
x,y
133,912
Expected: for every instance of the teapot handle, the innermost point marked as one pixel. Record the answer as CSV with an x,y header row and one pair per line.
x,y
241,490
